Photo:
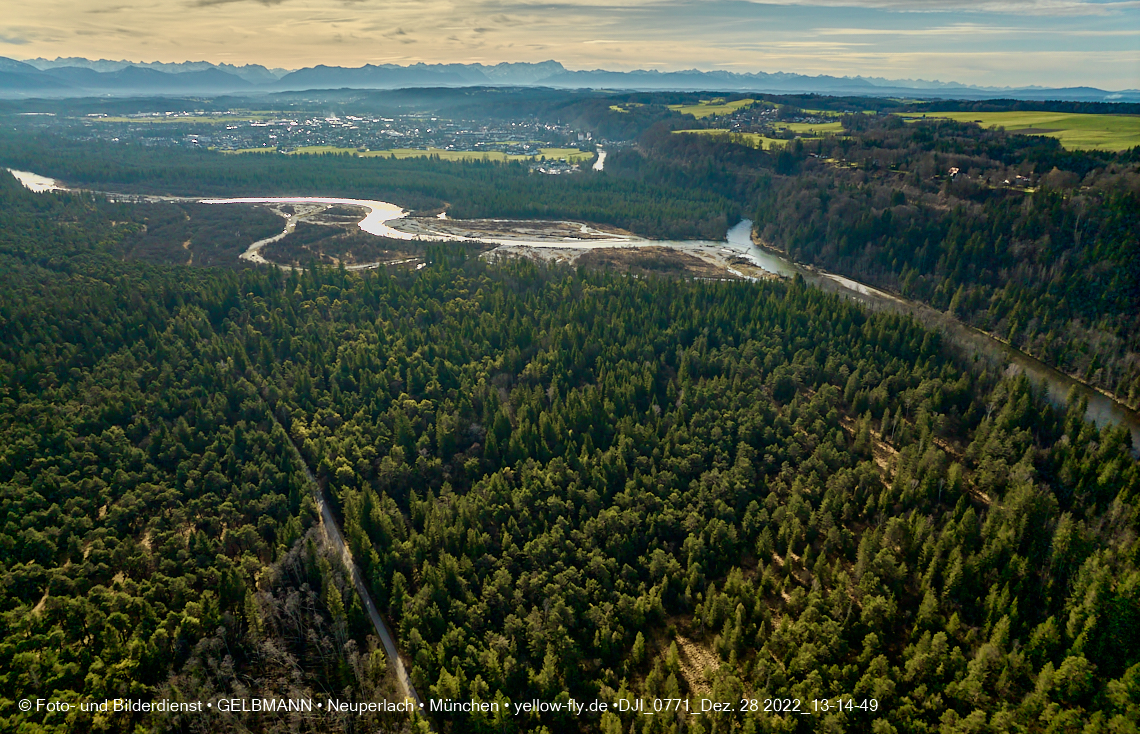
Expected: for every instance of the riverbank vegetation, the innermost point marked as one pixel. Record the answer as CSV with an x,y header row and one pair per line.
x,y
1037,246
472,189
334,246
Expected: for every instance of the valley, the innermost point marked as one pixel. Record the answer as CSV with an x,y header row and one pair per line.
x,y
697,421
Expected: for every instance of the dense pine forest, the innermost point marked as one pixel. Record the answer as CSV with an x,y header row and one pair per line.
x,y
158,533
559,483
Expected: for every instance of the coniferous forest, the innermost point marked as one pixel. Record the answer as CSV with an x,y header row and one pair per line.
x,y
562,483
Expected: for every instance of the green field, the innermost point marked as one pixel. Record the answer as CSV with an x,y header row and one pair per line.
x,y
252,150
833,113
447,155
322,150
570,154
812,127
756,140
1075,131
707,107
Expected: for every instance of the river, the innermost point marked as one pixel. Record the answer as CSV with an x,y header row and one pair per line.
x,y
379,212
35,182
1102,410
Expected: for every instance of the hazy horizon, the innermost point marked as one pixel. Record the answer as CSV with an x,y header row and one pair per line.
x,y
282,71
1050,43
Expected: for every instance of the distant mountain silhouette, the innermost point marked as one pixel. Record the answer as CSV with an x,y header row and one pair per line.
x,y
12,66
254,73
378,77
74,77
135,78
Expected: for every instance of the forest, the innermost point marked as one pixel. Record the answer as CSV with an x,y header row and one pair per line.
x,y
1012,234
558,482
1037,246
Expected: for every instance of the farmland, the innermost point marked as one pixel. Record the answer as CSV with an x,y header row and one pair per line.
x,y
1075,131
756,140
812,127
706,108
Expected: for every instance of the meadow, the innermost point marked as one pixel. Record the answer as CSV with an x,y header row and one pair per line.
x,y
1075,131
812,127
756,140
708,107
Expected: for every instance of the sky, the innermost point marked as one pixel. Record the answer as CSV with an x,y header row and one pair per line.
x,y
1048,43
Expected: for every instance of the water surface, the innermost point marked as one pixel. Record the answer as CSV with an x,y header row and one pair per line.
x,y
36,182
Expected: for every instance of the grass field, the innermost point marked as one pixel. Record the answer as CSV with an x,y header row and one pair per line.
x,y
812,127
252,150
1075,131
833,113
756,140
570,154
321,150
708,107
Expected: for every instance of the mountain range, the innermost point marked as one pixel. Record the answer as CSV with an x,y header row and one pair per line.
x,y
78,77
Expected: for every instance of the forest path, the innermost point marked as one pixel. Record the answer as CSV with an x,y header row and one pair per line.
x,y
336,537
332,530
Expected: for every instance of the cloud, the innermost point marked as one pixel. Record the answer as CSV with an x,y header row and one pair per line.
x,y
967,30
212,3
1017,7
122,32
1013,7
946,38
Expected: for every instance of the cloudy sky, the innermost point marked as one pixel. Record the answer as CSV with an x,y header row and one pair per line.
x,y
988,42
